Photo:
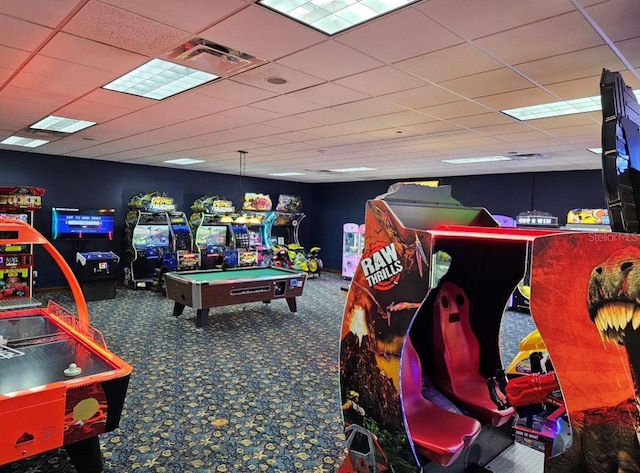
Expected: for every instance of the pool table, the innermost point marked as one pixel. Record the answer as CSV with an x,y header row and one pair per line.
x,y
205,289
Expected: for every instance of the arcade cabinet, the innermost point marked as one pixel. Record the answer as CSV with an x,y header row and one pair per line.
x,y
379,372
350,249
97,271
147,238
16,260
211,226
620,152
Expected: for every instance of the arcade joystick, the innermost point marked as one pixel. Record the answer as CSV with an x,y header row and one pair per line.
x,y
72,370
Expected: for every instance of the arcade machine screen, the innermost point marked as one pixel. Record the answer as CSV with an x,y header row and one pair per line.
x,y
620,152
145,236
82,224
212,236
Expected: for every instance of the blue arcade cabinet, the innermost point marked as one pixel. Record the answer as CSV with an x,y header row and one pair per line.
x,y
97,272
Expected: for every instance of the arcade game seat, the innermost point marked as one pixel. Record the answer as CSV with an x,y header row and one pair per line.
x,y
436,433
457,358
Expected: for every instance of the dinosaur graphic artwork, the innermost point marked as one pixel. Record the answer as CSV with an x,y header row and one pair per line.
x,y
586,304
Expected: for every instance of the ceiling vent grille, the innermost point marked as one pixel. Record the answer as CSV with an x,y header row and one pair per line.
x,y
207,56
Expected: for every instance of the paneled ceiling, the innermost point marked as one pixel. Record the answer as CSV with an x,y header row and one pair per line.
x,y
399,94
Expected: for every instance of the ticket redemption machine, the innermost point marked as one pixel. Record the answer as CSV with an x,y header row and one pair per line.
x,y
16,260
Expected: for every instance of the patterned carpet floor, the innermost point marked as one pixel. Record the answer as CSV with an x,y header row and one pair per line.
x,y
256,391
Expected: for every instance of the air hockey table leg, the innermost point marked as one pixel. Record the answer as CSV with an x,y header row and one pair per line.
x,y
86,455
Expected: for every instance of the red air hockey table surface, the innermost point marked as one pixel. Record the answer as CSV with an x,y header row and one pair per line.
x,y
59,384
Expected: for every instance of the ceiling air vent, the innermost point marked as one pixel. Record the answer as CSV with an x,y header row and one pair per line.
x,y
207,56
527,156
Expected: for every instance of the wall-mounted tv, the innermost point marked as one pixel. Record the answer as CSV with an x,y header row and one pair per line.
x,y
82,224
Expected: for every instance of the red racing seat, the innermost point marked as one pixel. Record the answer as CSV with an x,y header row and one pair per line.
x,y
457,358
437,434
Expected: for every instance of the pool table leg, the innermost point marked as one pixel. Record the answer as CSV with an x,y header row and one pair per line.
x,y
86,455
202,317
177,309
291,301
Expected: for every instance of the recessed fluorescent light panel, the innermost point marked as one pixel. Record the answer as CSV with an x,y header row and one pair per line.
x,y
184,161
333,16
353,169
595,150
484,159
557,109
158,79
282,174
26,142
61,124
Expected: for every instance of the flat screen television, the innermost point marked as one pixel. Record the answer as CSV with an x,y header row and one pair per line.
x,y
82,224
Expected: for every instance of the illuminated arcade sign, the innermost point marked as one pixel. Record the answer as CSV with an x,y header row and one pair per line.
x,y
161,203
27,198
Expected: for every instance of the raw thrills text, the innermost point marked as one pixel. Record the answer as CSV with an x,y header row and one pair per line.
x,y
381,265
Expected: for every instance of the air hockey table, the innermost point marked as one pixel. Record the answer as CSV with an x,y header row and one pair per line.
x,y
206,289
59,384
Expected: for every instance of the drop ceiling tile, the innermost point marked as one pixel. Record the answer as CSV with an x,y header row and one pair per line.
x,y
122,29
568,120
128,101
12,58
370,107
617,18
380,81
325,116
43,13
51,69
232,90
296,80
421,97
577,65
83,109
553,36
186,15
328,95
461,108
432,127
484,119
285,105
630,49
381,38
473,20
293,123
21,34
450,63
487,83
247,30
575,88
41,83
519,98
330,60
250,114
407,117
78,50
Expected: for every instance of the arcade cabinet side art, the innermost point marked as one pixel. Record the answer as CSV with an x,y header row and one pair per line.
x,y
388,286
585,302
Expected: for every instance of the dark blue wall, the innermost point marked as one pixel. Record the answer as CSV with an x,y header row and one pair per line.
x,y
505,194
74,182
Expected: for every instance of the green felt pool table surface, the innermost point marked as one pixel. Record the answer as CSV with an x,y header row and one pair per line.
x,y
234,274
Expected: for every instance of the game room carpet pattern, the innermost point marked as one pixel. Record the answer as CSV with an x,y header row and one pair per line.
x,y
256,391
